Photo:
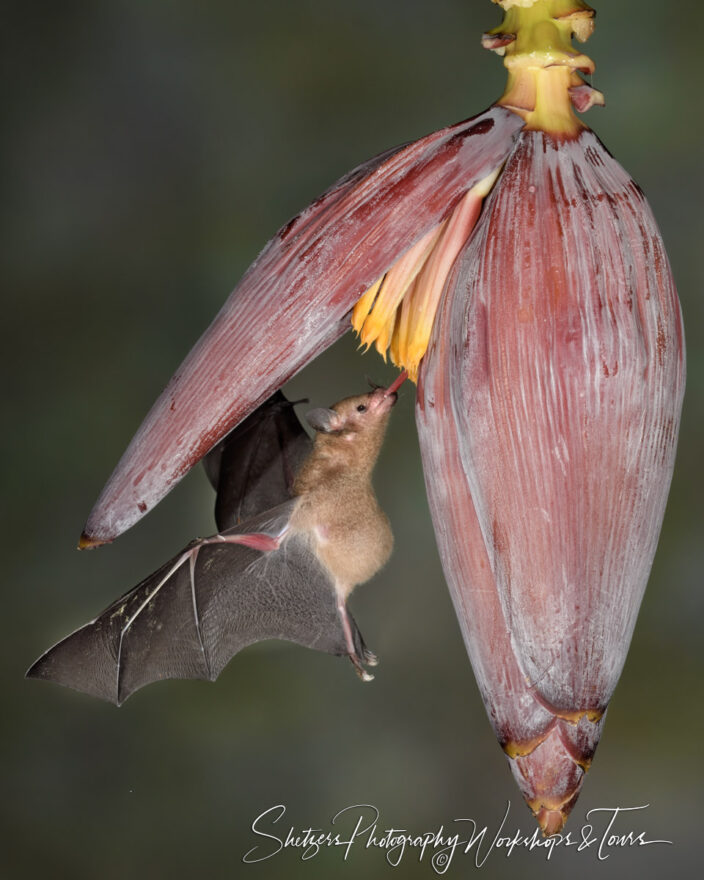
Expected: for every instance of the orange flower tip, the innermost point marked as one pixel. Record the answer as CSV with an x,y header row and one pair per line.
x,y
551,821
366,337
381,342
85,542
416,350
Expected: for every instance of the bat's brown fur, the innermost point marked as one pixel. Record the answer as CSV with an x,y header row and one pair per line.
x,y
338,506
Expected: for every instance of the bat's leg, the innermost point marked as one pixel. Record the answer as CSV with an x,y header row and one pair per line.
x,y
255,541
368,655
349,642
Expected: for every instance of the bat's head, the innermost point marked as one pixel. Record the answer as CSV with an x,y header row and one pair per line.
x,y
362,414
352,430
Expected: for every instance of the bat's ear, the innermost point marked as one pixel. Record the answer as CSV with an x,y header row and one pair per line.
x,y
327,421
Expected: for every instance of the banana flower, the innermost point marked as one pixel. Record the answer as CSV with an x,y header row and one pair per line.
x,y
515,270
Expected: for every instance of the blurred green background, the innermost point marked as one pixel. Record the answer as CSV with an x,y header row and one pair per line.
x,y
150,149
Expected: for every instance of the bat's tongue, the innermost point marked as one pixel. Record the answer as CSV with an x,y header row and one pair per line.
x,y
396,384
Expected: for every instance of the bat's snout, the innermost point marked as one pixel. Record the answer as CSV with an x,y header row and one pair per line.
x,y
381,400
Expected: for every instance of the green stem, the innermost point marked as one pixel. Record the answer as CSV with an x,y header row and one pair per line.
x,y
535,39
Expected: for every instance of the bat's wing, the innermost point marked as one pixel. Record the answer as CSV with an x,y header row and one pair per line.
x,y
188,619
254,466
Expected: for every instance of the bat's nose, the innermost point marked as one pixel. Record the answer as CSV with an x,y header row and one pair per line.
x,y
382,400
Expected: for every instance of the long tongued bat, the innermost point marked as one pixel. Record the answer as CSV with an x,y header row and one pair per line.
x,y
299,528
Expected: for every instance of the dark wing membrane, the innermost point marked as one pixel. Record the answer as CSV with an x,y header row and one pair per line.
x,y
94,660
188,619
254,467
286,594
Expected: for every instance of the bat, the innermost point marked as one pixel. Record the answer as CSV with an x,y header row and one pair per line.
x,y
299,528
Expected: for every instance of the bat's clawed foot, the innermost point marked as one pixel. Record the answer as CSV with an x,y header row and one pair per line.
x,y
359,668
370,657
357,651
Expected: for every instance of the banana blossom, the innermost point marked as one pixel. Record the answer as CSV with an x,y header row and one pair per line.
x,y
515,270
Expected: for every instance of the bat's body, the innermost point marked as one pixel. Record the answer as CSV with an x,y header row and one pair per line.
x,y
284,572
337,505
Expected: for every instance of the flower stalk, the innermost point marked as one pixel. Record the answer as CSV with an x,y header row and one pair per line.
x,y
535,39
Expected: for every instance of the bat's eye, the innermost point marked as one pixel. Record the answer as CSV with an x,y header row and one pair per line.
x,y
361,408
